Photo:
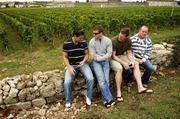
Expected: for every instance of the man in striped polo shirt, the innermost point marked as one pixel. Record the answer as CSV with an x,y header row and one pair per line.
x,y
75,55
142,49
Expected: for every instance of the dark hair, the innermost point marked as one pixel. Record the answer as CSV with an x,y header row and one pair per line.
x,y
125,31
78,32
99,28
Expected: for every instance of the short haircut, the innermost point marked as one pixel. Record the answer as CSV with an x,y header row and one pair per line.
x,y
78,32
144,27
125,31
99,28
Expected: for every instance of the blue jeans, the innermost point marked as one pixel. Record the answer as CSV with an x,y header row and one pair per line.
x,y
87,73
148,71
101,70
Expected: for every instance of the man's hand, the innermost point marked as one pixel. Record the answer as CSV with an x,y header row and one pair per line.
x,y
126,65
81,63
140,61
131,64
71,70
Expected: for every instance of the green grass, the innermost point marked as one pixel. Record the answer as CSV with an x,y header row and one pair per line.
x,y
162,104
164,34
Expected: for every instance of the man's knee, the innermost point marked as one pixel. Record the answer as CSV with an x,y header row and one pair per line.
x,y
150,69
67,82
90,79
119,71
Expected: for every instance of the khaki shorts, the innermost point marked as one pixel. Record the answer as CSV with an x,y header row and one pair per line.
x,y
116,65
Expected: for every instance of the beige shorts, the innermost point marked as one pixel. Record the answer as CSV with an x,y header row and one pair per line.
x,y
116,65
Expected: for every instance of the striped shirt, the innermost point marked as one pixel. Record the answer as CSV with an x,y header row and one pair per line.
x,y
75,53
142,48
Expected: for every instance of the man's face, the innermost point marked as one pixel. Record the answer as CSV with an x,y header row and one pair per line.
x,y
122,37
97,34
143,32
79,38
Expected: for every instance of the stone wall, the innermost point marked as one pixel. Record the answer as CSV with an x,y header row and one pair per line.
x,y
162,55
40,88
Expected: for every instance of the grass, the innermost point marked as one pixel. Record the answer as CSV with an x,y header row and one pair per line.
x,y
162,104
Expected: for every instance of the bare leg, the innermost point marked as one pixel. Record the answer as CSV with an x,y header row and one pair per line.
x,y
137,76
118,79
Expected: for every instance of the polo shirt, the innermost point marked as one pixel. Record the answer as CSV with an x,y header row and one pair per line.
x,y
76,52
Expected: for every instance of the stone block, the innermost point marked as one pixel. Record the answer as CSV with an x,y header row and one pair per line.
x,y
38,102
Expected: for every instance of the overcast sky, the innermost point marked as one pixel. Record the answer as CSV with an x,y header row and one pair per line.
x,y
37,0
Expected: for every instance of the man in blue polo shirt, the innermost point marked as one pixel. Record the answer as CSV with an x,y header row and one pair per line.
x,y
75,56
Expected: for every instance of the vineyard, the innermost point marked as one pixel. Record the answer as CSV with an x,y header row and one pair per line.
x,y
46,24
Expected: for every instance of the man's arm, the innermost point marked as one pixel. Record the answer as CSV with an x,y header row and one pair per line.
x,y
114,57
92,51
108,54
130,56
86,57
148,49
66,61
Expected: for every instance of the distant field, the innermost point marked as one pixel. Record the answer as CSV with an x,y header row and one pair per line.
x,y
47,25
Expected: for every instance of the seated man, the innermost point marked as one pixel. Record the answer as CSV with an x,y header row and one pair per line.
x,y
101,50
142,48
75,55
122,58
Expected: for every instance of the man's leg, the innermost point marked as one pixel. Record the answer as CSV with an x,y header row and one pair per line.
x,y
68,87
137,76
118,69
98,70
148,71
106,70
86,71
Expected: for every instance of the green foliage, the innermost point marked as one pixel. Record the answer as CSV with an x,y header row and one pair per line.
x,y
24,31
176,54
61,21
3,37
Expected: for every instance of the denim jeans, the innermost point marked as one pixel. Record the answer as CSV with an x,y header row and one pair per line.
x,y
148,71
87,73
101,70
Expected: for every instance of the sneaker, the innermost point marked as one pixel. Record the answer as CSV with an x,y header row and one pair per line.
x,y
88,101
112,103
68,105
109,104
129,85
145,85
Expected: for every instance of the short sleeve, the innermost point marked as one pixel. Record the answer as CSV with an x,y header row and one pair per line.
x,y
129,44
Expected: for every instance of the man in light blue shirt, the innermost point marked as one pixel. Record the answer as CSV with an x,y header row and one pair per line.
x,y
100,48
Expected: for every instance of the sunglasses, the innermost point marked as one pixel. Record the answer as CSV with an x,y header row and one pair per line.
x,y
95,33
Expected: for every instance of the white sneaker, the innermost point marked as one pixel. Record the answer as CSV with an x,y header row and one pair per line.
x,y
68,105
88,101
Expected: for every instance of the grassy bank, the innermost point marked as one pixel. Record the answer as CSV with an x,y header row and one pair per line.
x,y
162,104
